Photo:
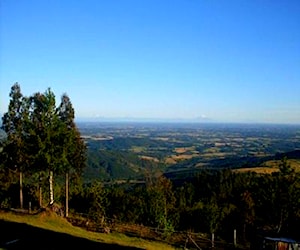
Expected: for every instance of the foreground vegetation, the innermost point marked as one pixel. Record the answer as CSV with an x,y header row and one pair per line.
x,y
211,202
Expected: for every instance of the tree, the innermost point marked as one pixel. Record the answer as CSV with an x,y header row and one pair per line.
x,y
287,193
13,124
160,203
97,198
72,146
3,138
247,208
47,129
43,137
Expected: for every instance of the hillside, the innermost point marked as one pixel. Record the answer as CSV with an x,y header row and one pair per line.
x,y
271,166
49,231
262,165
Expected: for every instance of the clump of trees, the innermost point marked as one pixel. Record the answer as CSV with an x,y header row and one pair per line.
x,y
42,142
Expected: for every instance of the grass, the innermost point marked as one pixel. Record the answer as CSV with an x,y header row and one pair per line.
x,y
294,163
183,150
50,222
258,170
271,166
149,158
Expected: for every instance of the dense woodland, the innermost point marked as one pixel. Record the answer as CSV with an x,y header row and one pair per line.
x,y
43,157
211,202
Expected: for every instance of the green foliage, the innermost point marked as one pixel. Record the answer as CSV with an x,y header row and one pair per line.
x,y
73,149
284,168
168,229
97,202
41,138
13,122
115,164
204,204
108,164
160,201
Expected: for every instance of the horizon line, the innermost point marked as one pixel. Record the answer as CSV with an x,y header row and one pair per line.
x,y
174,120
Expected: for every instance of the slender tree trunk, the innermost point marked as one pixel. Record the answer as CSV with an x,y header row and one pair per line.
x,y
234,237
51,187
40,191
67,194
21,190
281,220
40,196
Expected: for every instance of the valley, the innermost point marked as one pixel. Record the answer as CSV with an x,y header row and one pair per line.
x,y
128,150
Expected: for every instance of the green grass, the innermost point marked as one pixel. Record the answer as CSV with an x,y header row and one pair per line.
x,y
50,221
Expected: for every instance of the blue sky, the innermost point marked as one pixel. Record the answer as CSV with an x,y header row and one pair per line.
x,y
222,60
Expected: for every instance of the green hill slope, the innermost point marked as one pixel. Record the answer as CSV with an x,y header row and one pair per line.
x,y
49,231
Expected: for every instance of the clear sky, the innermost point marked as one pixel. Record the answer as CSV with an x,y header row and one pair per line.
x,y
221,60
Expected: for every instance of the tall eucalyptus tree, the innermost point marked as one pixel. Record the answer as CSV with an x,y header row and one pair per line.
x,y
13,124
73,148
47,135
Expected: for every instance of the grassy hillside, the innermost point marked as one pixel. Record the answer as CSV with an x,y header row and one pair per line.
x,y
49,231
271,166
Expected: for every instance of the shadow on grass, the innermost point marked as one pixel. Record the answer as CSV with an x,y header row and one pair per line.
x,y
22,236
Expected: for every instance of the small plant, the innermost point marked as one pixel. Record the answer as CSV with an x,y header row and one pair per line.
x,y
5,204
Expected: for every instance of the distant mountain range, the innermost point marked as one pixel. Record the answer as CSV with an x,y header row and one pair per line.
x,y
133,119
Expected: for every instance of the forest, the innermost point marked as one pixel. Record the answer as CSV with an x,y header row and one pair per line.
x,y
47,161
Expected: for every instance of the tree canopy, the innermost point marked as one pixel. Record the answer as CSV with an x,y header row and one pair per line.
x,y
41,137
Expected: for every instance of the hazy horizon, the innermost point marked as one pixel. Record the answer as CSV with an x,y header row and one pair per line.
x,y
195,121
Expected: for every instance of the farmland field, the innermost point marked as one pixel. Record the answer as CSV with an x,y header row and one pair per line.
x,y
125,150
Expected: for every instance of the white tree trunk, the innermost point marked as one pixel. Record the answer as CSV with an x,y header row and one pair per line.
x,y
40,191
41,196
21,190
51,187
67,194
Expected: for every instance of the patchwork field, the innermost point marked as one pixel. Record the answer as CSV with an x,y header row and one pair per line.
x,y
186,147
